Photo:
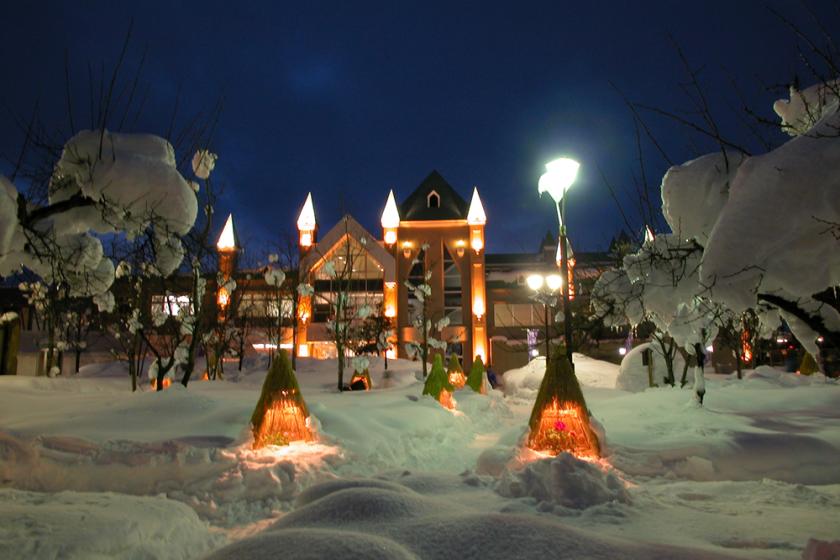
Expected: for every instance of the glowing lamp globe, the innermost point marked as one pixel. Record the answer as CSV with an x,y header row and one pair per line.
x,y
554,282
559,176
534,281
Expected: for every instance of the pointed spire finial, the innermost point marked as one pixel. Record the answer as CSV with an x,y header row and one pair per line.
x,y
306,220
227,240
476,215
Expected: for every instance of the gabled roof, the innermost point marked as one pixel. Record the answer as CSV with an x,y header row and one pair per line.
x,y
452,206
348,226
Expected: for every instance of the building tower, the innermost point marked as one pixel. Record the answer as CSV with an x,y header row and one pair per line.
x,y
445,236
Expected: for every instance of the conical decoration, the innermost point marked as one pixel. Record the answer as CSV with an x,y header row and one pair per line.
x,y
809,365
437,384
455,372
281,416
476,380
560,419
364,377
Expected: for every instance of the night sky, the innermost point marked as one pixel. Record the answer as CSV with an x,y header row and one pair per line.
x,y
349,99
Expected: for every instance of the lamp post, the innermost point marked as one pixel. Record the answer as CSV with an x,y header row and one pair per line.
x,y
559,176
544,288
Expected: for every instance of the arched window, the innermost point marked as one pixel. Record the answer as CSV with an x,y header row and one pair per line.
x,y
433,200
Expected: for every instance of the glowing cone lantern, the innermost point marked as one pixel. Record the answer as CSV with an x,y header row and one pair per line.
x,y
455,373
560,420
281,416
437,384
477,380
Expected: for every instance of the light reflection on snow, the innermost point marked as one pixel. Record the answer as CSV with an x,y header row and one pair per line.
x,y
305,455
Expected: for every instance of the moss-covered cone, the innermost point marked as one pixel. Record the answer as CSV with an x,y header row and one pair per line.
x,y
809,365
455,372
438,380
476,377
281,415
560,418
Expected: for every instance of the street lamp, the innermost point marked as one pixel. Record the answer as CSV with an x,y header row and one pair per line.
x,y
544,288
559,176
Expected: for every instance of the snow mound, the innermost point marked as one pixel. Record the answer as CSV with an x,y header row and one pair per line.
x,y
360,506
564,481
317,492
783,378
633,374
99,525
348,523
314,544
524,382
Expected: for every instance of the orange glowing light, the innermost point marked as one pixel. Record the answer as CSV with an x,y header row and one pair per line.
x,y
746,347
303,350
304,309
205,376
562,427
223,298
390,236
457,379
477,239
305,238
166,383
478,307
282,424
446,400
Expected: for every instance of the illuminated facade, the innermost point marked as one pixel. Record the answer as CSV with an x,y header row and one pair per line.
x,y
435,236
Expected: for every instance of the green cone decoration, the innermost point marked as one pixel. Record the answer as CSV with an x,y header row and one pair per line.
x,y
560,419
476,378
438,385
456,374
808,365
281,416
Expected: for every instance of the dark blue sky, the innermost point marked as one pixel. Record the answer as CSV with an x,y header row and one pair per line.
x,y
349,99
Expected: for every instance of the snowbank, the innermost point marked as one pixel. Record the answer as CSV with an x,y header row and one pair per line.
x,y
524,382
40,526
564,481
419,520
706,474
633,374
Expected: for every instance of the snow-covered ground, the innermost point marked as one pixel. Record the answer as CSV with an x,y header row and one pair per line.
x,y
90,470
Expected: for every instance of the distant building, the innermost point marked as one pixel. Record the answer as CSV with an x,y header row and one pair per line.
x,y
434,235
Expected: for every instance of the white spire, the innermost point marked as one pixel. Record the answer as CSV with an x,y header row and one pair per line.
x,y
227,240
306,220
390,216
476,215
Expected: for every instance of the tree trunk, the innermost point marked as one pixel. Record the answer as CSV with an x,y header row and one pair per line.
x,y
340,350
78,359
132,371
